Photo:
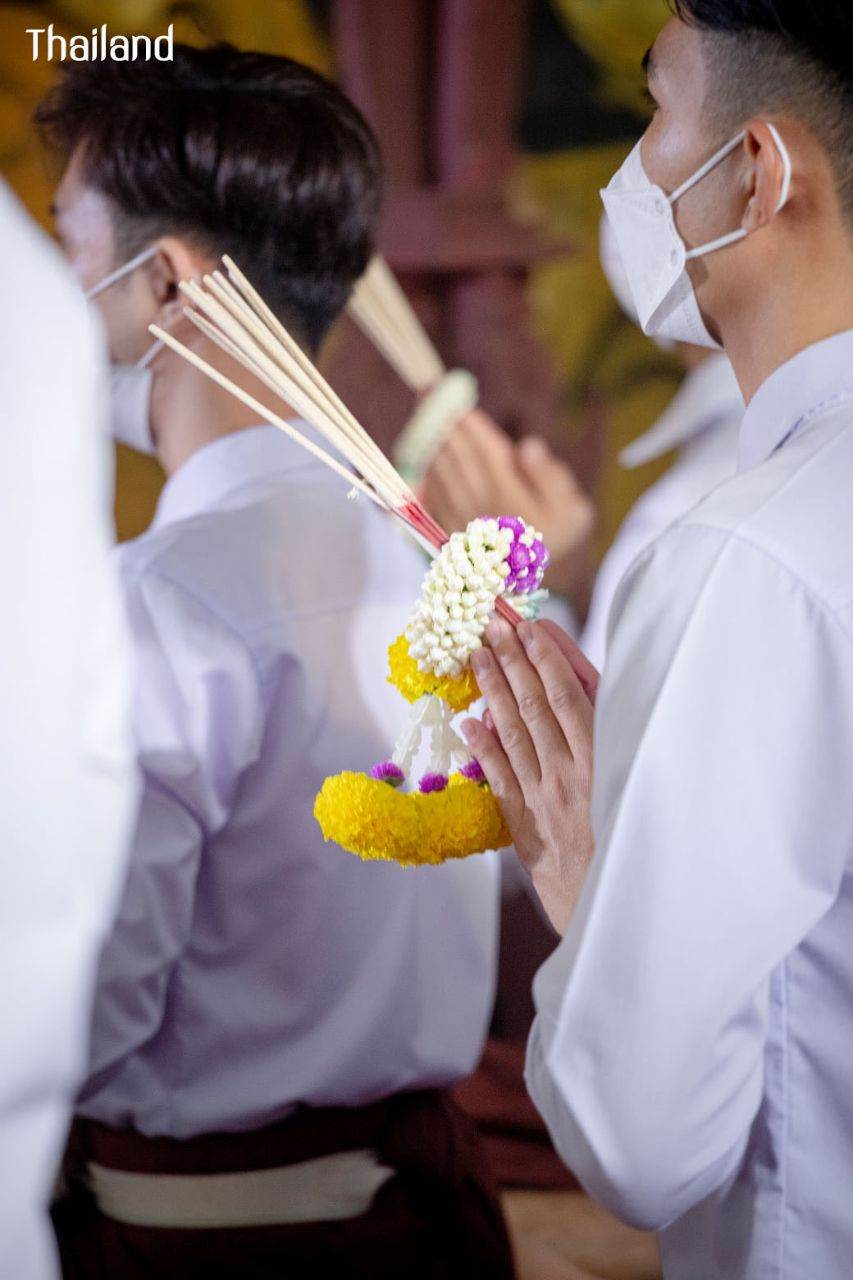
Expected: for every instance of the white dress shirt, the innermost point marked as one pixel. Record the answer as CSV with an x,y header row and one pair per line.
x,y
254,967
693,1050
702,422
67,785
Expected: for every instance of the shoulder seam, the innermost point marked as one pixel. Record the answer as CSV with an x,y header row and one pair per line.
x,y
206,607
738,536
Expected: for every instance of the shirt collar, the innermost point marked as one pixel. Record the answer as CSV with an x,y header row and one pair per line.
x,y
227,465
709,394
815,379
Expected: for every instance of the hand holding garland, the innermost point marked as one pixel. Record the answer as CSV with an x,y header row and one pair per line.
x,y
537,754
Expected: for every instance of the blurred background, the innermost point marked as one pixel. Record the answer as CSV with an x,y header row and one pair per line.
x,y
499,122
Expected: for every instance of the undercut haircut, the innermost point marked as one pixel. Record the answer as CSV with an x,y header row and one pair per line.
x,y
242,153
782,56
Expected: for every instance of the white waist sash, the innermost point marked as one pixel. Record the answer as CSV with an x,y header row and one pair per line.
x,y
337,1186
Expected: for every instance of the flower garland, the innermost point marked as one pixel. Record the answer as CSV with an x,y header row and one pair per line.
x,y
453,813
376,821
491,558
406,676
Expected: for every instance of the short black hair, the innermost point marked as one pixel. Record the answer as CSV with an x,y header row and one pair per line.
x,y
783,55
242,153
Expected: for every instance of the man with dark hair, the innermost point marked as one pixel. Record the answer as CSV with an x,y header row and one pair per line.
x,y
243,153
692,1048
274,1021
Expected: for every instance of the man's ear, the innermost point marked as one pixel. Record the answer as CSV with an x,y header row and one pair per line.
x,y
767,176
174,261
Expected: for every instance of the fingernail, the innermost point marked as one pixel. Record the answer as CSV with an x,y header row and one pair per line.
x,y
481,661
496,630
525,634
468,729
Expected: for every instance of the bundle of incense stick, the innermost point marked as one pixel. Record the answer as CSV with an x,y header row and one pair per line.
x,y
383,312
229,311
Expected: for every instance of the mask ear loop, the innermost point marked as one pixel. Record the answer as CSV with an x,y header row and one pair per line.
x,y
716,158
145,360
787,167
740,232
124,270
152,351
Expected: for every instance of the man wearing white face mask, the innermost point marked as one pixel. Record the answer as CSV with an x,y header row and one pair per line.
x,y
131,384
691,1053
480,469
701,421
272,1037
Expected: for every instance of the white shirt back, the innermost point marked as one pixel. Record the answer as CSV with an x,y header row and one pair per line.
x,y
253,967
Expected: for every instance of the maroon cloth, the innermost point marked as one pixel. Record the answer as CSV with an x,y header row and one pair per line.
x,y
495,1097
438,1219
517,1144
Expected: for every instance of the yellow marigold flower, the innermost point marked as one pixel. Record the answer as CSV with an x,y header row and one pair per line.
x,y
367,817
375,821
457,691
463,819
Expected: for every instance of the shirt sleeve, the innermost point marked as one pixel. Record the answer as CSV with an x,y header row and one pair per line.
x,y
650,515
197,726
723,741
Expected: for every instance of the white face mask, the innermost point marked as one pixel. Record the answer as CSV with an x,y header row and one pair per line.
x,y
130,384
653,253
617,277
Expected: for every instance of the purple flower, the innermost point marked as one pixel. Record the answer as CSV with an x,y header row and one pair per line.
x,y
527,564
541,555
388,771
512,522
473,770
433,782
519,556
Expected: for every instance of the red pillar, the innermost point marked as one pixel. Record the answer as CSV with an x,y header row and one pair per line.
x,y
439,82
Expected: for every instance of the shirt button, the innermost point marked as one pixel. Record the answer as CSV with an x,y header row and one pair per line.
x,y
673,257
659,206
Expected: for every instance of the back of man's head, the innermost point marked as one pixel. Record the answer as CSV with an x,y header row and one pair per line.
x,y
786,57
248,154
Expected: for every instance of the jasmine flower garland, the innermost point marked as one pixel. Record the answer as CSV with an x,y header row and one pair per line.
x,y
453,813
491,558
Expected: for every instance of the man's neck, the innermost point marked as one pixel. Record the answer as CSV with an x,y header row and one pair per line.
x,y
189,410
791,312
